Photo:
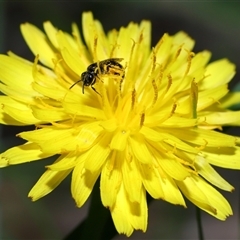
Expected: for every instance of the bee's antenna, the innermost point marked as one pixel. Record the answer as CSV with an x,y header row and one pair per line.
x,y
75,83
82,88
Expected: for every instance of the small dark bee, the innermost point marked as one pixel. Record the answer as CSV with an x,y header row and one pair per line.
x,y
108,66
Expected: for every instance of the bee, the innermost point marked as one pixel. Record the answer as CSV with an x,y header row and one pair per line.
x,y
108,66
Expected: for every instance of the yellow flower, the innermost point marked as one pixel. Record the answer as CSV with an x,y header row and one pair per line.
x,y
149,128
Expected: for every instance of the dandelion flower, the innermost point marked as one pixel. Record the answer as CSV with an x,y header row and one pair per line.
x,y
148,129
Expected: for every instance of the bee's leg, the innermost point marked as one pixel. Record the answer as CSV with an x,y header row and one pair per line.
x,y
93,88
97,76
83,88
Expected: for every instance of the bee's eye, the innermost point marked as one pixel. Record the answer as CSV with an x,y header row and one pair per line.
x,y
88,79
83,75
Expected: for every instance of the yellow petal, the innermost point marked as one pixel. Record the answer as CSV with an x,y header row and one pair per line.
x,y
175,142
151,134
230,99
65,162
120,214
222,118
51,32
173,168
217,200
54,140
200,60
223,157
38,43
47,85
181,37
16,74
140,150
205,169
179,122
132,180
198,196
14,68
139,216
8,120
25,116
163,48
70,55
10,108
49,114
50,141
210,96
205,197
98,154
82,183
47,183
205,137
82,50
111,179
83,110
92,30
120,140
21,154
127,216
216,78
150,178
109,125
170,190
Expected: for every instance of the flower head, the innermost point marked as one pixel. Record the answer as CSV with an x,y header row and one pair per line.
x,y
147,128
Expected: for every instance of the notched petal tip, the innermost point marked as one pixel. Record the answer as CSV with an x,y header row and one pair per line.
x,y
4,162
32,199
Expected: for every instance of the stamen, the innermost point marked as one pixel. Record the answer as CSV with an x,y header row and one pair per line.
x,y
202,146
169,82
162,174
73,119
43,103
39,126
140,37
35,69
128,84
189,164
142,118
120,87
160,42
173,150
132,49
155,89
189,61
153,60
159,79
95,58
133,99
204,77
55,63
61,125
63,78
110,164
113,49
178,52
174,108
194,98
162,119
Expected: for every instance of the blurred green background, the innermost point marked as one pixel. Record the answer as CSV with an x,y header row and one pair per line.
x,y
215,25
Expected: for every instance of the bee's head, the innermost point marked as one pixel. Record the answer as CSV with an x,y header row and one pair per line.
x,y
87,78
